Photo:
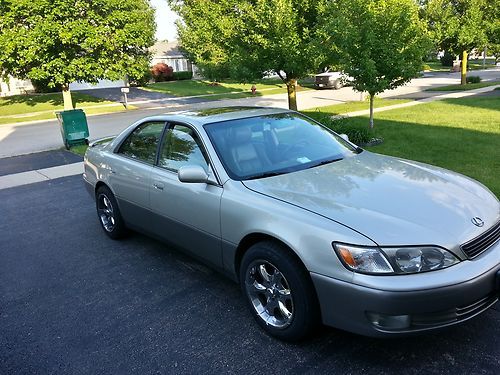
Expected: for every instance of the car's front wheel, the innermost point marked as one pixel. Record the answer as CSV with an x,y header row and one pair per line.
x,y
109,213
279,291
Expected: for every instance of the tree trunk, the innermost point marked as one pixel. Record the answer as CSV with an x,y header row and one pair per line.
x,y
485,51
291,87
372,97
463,79
68,103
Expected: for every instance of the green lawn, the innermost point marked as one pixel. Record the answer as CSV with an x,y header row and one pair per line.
x,y
79,149
28,107
458,134
224,89
468,86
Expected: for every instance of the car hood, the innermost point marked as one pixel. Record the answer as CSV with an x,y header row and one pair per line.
x,y
329,74
389,200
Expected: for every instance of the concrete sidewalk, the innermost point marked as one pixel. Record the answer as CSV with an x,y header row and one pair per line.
x,y
451,95
39,175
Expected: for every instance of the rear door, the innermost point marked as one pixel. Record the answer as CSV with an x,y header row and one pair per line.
x,y
186,214
130,172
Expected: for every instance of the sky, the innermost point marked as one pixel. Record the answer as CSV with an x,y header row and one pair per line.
x,y
165,20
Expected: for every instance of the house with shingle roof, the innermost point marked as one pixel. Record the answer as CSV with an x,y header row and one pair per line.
x,y
171,54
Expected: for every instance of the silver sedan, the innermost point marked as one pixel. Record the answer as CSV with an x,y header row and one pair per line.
x,y
314,228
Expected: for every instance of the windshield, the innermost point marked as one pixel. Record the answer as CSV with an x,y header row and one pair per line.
x,y
264,146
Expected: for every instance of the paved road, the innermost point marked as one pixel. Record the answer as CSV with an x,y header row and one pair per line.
x,y
73,301
23,139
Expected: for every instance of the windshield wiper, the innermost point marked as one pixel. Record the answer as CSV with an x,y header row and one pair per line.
x,y
264,175
328,161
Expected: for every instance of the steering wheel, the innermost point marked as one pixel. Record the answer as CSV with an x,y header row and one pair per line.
x,y
296,145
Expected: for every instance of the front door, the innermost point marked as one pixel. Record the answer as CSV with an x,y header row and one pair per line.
x,y
188,214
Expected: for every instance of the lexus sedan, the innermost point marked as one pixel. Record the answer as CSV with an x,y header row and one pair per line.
x,y
314,229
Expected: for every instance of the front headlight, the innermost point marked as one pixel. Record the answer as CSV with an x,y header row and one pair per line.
x,y
394,260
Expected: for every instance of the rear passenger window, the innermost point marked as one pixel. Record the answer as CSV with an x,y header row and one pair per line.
x,y
142,143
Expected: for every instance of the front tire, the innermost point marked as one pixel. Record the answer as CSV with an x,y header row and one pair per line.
x,y
109,214
279,291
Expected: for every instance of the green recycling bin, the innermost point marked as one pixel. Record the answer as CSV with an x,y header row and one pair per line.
x,y
74,128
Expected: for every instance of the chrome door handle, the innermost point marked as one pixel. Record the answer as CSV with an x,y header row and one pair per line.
x,y
158,186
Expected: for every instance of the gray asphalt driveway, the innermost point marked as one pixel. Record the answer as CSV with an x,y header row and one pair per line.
x,y
73,301
39,160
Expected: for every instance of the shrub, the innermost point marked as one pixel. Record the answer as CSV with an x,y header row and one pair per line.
x,y
162,72
426,67
182,75
447,59
141,79
473,79
342,125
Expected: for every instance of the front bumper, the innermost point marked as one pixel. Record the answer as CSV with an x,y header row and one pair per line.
x,y
375,312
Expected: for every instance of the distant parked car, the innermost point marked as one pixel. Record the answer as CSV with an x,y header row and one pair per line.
x,y
329,80
314,228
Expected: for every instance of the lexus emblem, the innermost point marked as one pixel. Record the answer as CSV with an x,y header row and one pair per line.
x,y
477,221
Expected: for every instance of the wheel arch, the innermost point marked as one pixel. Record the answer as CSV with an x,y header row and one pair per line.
x,y
253,238
99,184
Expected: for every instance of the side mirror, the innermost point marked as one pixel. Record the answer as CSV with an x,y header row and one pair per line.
x,y
345,137
192,174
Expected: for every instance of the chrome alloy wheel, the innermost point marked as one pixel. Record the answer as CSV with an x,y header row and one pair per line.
x,y
106,214
269,293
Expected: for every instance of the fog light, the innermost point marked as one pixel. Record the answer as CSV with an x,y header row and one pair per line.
x,y
389,321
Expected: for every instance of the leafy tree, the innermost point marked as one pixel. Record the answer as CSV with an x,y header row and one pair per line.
x,y
62,41
379,43
492,25
248,39
457,26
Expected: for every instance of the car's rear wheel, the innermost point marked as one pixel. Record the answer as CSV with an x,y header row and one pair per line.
x,y
337,84
279,291
109,213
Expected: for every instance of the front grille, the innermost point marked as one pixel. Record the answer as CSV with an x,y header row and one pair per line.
x,y
479,244
324,80
455,315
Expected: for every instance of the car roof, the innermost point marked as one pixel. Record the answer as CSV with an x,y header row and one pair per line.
x,y
210,115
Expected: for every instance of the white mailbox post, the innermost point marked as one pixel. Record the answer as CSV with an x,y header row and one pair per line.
x,y
125,91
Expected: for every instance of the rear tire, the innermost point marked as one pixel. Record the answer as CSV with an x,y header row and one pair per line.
x,y
109,214
338,84
279,291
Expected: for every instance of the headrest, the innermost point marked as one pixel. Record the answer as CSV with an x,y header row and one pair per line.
x,y
241,135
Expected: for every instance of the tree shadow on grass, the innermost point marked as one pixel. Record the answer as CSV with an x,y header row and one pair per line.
x,y
52,99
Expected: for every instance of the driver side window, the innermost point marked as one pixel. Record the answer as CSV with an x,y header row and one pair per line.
x,y
181,146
